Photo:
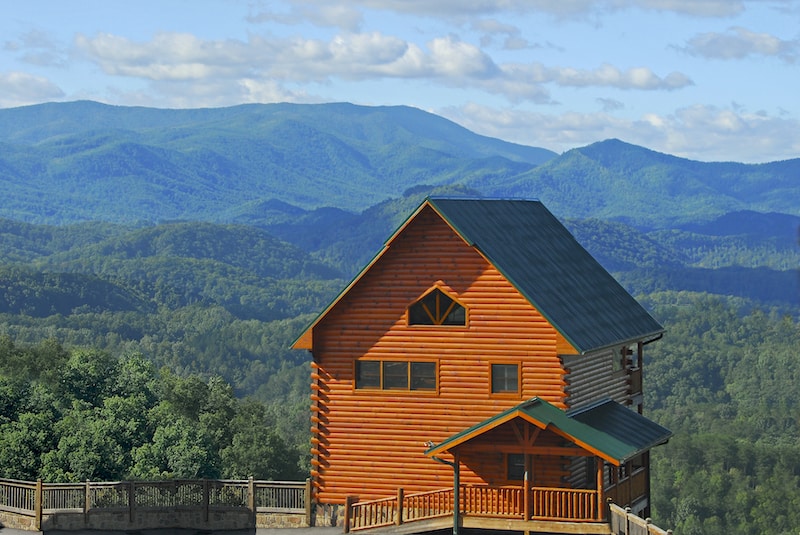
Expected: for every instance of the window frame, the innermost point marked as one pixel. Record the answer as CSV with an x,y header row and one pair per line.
x,y
505,393
410,382
509,465
441,318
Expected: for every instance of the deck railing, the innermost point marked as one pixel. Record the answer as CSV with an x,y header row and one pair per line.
x,y
424,505
623,522
34,499
555,504
574,505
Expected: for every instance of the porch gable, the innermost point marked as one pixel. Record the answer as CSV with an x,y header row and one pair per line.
x,y
606,429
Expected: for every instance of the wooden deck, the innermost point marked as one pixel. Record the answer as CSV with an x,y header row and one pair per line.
x,y
545,510
551,510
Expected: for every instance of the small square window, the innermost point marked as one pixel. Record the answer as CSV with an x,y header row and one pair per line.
x,y
395,375
505,378
423,376
368,374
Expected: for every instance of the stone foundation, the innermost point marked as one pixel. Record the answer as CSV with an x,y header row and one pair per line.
x,y
163,519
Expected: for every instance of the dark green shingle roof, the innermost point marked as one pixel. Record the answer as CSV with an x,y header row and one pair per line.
x,y
540,257
608,429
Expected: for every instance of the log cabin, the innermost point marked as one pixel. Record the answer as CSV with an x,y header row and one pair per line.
x,y
483,350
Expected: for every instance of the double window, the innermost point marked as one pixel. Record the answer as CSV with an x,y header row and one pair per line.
x,y
395,375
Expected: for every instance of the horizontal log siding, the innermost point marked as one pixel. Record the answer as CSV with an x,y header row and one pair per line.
x,y
372,442
592,378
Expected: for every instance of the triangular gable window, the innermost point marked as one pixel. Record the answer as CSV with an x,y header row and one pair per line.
x,y
437,308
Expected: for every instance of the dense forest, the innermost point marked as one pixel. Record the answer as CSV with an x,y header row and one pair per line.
x,y
73,415
156,266
726,379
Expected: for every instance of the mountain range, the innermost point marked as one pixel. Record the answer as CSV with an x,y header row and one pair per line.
x,y
85,161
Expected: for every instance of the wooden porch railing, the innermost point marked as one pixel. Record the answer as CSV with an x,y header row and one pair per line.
x,y
623,522
629,489
573,505
554,504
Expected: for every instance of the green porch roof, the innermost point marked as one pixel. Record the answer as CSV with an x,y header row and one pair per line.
x,y
608,429
539,256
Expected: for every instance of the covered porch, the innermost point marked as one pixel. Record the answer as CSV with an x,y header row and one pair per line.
x,y
532,468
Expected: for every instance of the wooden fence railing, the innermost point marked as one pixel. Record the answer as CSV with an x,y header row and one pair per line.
x,y
35,499
623,522
574,505
554,504
550,504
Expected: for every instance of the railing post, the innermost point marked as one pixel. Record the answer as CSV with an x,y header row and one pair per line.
x,y
526,496
348,511
601,510
310,520
251,498
131,501
87,502
627,520
38,498
206,499
399,519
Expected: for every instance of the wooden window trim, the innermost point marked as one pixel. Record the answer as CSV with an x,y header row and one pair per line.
x,y
438,313
507,463
505,394
383,391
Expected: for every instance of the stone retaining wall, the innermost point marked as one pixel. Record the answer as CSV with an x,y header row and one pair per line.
x,y
168,519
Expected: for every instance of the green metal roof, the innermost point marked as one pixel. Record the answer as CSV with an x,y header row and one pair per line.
x,y
540,257
619,422
615,433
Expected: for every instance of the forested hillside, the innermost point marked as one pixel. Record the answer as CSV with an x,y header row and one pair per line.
x,y
74,415
99,162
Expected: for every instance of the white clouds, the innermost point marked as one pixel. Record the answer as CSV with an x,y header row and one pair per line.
x,y
19,88
606,75
580,9
699,132
323,15
739,43
359,56
452,57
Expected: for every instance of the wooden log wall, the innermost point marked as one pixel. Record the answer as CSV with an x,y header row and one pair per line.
x,y
592,378
370,442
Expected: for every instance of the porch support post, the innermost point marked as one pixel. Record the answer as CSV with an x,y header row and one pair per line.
x,y
526,489
456,493
601,505
455,465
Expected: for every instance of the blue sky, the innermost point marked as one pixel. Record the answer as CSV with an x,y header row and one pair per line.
x,y
710,80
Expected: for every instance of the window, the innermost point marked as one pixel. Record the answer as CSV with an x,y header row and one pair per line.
x,y
437,308
619,359
515,466
395,375
423,376
505,378
368,374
